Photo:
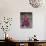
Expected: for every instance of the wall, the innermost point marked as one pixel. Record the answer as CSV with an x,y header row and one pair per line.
x,y
12,8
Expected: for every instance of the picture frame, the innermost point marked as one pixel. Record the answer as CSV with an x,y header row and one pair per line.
x,y
26,19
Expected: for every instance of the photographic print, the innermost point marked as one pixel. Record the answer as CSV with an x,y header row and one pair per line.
x,y
26,19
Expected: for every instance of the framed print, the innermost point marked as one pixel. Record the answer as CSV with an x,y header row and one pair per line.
x,y
26,19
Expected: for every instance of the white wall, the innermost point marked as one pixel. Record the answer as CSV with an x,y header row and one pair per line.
x,y
12,8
